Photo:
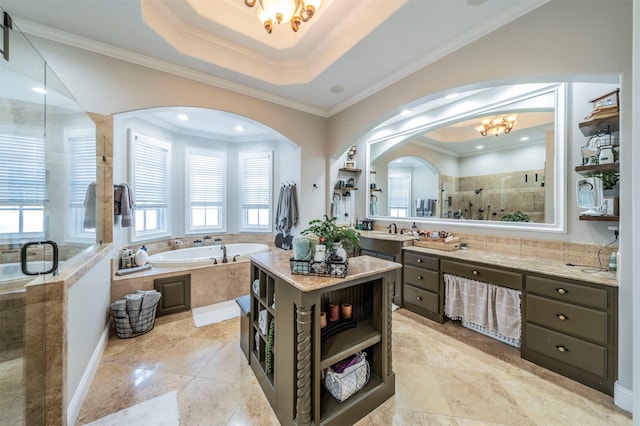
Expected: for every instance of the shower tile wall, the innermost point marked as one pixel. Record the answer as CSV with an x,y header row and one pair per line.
x,y
501,194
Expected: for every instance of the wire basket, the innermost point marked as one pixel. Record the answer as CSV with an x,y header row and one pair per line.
x,y
327,268
351,380
132,325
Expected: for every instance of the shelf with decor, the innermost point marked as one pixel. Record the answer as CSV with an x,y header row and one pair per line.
x,y
349,170
307,354
596,169
600,125
606,218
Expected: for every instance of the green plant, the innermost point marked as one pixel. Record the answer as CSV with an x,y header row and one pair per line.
x,y
327,229
517,216
609,179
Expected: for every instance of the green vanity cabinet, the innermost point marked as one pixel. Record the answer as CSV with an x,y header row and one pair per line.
x,y
570,327
388,250
288,361
423,287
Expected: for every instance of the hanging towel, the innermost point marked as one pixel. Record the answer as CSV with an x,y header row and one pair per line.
x,y
123,204
287,210
493,310
90,207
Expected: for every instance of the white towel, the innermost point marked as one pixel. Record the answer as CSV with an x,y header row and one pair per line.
x,y
262,321
256,286
488,308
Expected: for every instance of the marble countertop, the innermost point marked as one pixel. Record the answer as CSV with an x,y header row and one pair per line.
x,y
277,262
542,266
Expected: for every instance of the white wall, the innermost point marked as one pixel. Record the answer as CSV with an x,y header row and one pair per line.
x,y
87,316
527,157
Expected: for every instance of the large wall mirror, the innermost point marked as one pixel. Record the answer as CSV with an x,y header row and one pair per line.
x,y
488,157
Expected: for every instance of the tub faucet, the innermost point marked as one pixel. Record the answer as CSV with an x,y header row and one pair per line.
x,y
223,246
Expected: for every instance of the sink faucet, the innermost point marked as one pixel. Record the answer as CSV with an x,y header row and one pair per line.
x,y
395,228
223,246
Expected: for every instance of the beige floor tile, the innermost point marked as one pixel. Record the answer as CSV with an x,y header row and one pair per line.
x,y
445,375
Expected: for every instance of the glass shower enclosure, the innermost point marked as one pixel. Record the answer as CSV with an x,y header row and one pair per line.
x,y
47,211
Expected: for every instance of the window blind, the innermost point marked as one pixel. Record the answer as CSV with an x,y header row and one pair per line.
x,y
23,177
399,187
151,169
256,180
206,178
82,167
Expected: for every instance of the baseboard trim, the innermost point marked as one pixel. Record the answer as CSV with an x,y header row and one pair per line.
x,y
623,397
73,409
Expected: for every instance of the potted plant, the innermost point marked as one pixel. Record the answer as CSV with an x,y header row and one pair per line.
x,y
330,233
517,216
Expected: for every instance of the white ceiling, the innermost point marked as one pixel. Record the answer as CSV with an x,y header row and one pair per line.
x,y
360,46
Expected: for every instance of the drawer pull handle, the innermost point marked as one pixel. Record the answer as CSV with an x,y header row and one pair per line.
x,y
562,348
475,272
562,290
562,317
419,277
419,297
419,260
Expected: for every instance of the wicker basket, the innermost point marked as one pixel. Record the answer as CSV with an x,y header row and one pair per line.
x,y
351,380
132,325
319,269
438,243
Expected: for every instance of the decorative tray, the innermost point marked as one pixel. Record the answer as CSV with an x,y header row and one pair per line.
x,y
438,243
328,268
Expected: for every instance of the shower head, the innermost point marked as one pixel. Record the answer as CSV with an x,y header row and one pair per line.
x,y
477,191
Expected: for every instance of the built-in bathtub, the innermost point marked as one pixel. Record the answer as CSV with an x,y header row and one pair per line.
x,y
207,255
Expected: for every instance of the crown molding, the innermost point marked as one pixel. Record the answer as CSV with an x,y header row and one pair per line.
x,y
104,49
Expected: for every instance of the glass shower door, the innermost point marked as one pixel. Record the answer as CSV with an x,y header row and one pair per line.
x,y
47,167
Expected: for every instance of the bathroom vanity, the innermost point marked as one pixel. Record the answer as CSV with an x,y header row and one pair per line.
x,y
569,317
288,351
387,246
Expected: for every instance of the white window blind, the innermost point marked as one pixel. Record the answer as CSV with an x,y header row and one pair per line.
x,y
23,186
150,185
81,172
206,191
256,193
399,194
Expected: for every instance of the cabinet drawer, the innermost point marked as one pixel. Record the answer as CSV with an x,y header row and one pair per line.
x,y
421,298
482,273
566,318
574,293
422,278
575,352
421,260
380,246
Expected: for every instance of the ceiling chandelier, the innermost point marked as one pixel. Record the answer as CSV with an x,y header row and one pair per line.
x,y
283,11
497,125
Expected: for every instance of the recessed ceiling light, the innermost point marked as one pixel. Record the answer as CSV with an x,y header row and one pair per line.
x,y
405,112
452,96
239,128
39,90
524,138
336,89
479,147
183,117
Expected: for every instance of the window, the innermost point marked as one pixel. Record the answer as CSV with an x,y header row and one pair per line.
x,y
205,193
23,187
255,187
81,178
399,195
150,180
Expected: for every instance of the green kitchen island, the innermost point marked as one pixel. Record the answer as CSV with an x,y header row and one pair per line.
x,y
289,350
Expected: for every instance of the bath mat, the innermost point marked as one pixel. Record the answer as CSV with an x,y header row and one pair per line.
x,y
160,411
215,313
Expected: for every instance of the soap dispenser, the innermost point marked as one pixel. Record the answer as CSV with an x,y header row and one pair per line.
x,y
414,230
613,262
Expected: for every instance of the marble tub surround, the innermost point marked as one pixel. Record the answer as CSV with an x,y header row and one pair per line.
x,y
554,267
209,284
445,374
188,241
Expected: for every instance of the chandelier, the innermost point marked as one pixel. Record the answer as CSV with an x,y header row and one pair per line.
x,y
283,11
497,125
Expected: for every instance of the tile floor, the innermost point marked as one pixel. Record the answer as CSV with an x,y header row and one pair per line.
x,y
445,375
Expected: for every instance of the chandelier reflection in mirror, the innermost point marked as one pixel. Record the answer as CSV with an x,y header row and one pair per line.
x,y
283,11
499,124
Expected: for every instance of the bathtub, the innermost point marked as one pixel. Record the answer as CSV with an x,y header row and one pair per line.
x,y
202,256
12,278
